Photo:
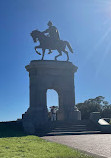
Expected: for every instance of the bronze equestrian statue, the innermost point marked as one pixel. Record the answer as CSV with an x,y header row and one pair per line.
x,y
53,33
51,41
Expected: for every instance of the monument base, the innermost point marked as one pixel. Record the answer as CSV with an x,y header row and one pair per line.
x,y
37,119
34,119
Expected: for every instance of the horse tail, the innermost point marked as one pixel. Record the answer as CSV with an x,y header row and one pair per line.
x,y
68,45
37,51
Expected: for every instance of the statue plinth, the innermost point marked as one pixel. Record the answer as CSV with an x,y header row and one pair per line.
x,y
44,75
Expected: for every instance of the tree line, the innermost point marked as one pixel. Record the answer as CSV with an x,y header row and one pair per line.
x,y
97,104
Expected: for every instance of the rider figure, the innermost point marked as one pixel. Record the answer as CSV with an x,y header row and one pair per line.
x,y
52,33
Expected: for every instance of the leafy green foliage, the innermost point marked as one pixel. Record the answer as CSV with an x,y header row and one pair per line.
x,y
110,122
94,105
106,111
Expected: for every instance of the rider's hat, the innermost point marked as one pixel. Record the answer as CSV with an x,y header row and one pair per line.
x,y
49,23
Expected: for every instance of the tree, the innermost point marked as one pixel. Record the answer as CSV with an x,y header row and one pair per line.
x,y
94,105
87,107
106,111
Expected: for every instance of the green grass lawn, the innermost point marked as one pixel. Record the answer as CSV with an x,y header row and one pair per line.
x,y
14,143
35,147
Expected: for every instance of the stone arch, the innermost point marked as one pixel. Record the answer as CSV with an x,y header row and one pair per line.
x,y
45,75
50,92
60,112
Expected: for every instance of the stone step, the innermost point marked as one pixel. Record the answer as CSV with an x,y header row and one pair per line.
x,y
57,123
68,127
72,133
71,128
75,130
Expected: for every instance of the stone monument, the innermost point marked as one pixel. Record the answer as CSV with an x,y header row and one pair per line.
x,y
44,75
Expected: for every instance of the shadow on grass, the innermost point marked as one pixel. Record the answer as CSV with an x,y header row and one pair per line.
x,y
11,129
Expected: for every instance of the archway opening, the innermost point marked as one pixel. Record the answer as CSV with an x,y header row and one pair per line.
x,y
52,99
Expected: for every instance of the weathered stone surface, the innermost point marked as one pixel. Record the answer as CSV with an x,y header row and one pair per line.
x,y
95,116
46,75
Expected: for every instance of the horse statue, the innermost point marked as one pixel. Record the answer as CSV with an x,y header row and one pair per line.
x,y
48,43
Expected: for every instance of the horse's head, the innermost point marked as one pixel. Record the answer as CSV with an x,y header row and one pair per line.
x,y
35,34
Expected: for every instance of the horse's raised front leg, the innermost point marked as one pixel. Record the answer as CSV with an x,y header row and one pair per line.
x,y
43,52
66,54
36,49
60,53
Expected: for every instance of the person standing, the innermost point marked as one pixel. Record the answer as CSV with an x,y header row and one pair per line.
x,y
53,113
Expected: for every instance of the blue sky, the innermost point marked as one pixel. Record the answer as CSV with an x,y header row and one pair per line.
x,y
86,24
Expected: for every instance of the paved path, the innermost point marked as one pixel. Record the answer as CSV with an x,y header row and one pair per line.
x,y
99,144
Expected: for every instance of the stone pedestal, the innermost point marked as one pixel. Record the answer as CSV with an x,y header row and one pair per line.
x,y
44,75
